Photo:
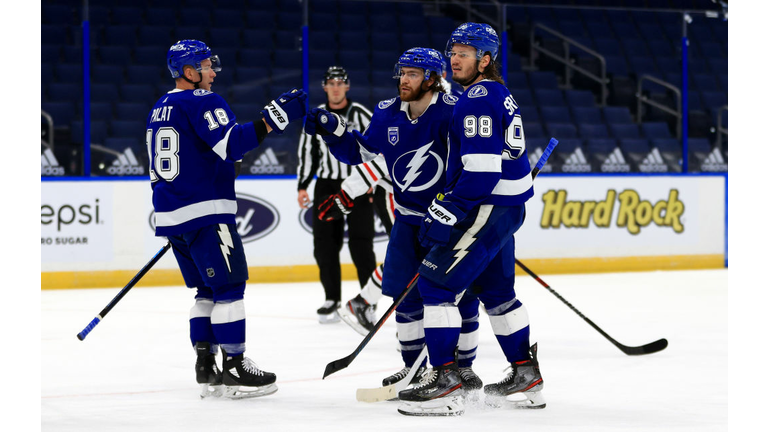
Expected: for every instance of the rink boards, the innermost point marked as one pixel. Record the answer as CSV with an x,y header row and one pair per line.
x,y
97,233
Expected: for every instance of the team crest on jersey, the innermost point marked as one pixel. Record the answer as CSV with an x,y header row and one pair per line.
x,y
386,103
450,99
478,91
393,135
201,92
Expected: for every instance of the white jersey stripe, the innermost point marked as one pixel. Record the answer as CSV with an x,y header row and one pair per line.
x,y
194,211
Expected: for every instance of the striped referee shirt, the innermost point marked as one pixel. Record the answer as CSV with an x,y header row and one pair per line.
x,y
314,157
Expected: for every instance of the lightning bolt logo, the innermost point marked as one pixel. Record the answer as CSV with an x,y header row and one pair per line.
x,y
462,246
415,164
226,244
420,156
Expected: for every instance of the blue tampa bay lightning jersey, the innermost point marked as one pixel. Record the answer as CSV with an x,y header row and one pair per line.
x,y
488,161
415,151
193,142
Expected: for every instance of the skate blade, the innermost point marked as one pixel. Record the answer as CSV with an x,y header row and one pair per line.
x,y
328,319
525,400
242,392
349,318
211,391
445,406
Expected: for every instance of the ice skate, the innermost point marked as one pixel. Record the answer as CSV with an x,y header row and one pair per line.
x,y
401,375
359,315
208,374
439,393
471,383
328,312
524,384
243,378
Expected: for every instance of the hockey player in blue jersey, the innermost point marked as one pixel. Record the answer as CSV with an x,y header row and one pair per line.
x,y
411,132
470,228
193,141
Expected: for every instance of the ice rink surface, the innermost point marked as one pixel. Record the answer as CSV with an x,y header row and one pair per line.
x,y
134,372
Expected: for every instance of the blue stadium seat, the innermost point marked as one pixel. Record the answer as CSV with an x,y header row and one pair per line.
x,y
290,21
599,30
524,99
119,144
717,65
587,115
247,111
410,39
669,145
104,92
353,8
624,130
115,55
382,93
643,66
161,16
549,97
133,111
57,14
221,37
440,25
245,74
323,7
142,93
150,55
635,146
653,130
127,128
127,15
413,22
555,114
593,130
73,53
699,145
600,146
384,60
105,73
286,40
529,113
533,130
50,53
323,21
63,113
714,100
609,47
385,24
572,29
322,59
249,93
98,131
195,17
353,41
125,35
580,98
386,41
617,114
152,73
652,32
542,80
65,92
190,32
101,111
53,34
261,39
47,73
562,130
705,82
354,60
228,18
287,58
616,65
156,35
323,40
360,94
635,47
352,23
260,19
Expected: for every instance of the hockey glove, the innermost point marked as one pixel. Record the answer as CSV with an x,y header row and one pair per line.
x,y
335,206
437,225
288,107
327,124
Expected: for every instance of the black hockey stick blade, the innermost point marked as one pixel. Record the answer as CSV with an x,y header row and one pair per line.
x,y
650,348
342,363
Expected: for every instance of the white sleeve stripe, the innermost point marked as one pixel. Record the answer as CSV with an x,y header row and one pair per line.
x,y
482,162
513,187
221,147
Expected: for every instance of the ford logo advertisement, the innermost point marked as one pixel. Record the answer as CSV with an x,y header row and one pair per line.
x,y
380,233
255,218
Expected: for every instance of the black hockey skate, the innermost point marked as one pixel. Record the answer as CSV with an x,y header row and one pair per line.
x,y
242,378
399,375
208,374
359,314
524,380
469,379
328,312
439,393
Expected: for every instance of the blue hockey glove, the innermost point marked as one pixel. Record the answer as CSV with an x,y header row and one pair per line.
x,y
290,106
327,124
437,225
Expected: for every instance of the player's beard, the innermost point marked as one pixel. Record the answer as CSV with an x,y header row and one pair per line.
x,y
413,95
470,78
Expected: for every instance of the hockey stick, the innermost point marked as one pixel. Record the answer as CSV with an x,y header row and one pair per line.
x,y
123,291
342,363
391,391
649,348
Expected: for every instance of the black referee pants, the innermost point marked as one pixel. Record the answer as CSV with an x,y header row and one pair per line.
x,y
329,238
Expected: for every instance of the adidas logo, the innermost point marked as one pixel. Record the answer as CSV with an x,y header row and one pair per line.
x,y
533,159
714,162
49,165
126,164
576,162
615,162
267,163
653,162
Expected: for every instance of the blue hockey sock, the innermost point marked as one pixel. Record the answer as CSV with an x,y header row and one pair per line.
x,y
228,323
442,327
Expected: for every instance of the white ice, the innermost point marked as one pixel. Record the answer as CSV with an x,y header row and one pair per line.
x,y
134,372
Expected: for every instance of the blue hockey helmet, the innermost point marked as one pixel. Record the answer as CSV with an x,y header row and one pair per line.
x,y
424,58
190,52
482,37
